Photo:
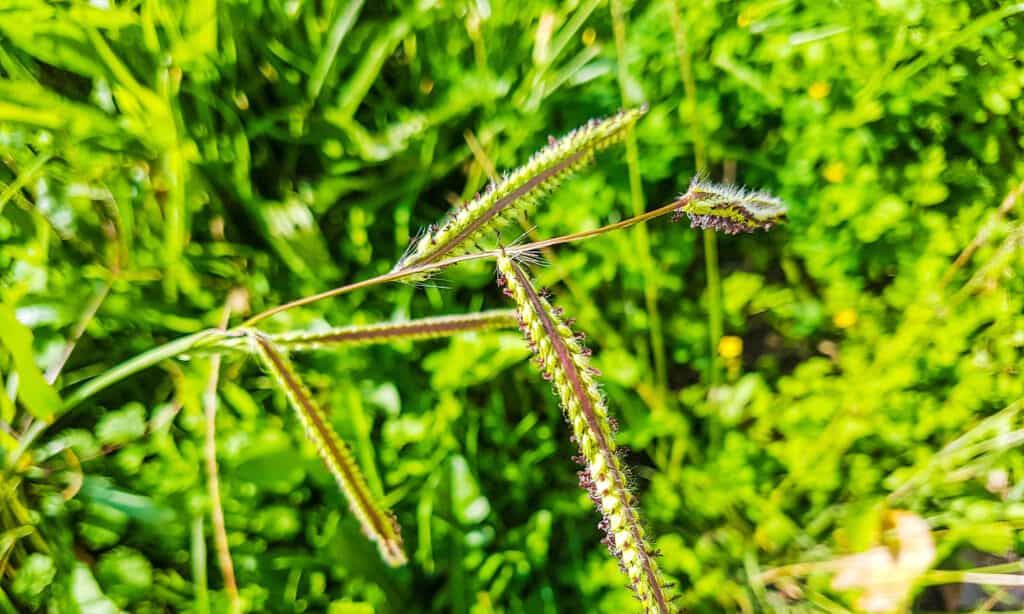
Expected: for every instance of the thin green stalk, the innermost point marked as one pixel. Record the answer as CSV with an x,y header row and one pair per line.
x,y
220,534
689,84
341,27
90,312
643,244
199,566
983,234
22,179
699,154
714,303
374,55
136,364
943,576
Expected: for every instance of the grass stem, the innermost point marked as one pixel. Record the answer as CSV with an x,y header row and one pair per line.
x,y
136,364
714,303
700,161
220,535
643,244
441,264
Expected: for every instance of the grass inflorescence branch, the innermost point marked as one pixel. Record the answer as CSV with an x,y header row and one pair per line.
x,y
564,360
520,190
730,209
377,522
560,352
688,203
390,332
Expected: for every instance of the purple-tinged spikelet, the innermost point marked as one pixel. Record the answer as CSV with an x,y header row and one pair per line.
x,y
729,209
562,360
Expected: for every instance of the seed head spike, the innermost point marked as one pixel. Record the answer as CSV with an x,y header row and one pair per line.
x,y
729,209
520,190
604,476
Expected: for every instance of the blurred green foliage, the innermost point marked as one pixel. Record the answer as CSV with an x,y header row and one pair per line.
x,y
156,155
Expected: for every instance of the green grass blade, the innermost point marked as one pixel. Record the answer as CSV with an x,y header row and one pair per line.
x,y
38,397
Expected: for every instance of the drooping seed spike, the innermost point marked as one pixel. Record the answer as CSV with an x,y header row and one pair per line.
x,y
604,476
377,522
520,190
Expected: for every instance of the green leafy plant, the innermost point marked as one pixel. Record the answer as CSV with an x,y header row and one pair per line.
x,y
824,418
559,352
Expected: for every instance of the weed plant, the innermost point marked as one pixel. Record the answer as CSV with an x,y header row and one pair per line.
x,y
825,417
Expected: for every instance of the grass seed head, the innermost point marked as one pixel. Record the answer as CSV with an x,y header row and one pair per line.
x,y
729,209
520,190
377,522
563,360
391,332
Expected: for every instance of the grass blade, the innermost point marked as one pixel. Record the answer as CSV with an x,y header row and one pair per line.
x,y
34,392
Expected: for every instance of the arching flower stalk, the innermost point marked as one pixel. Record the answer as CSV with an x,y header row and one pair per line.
x,y
377,522
389,332
564,361
520,190
729,209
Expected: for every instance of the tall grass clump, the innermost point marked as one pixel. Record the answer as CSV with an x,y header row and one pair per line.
x,y
560,353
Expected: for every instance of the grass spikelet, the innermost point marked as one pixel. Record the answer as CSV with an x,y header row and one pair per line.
x,y
564,361
378,523
520,190
413,330
729,209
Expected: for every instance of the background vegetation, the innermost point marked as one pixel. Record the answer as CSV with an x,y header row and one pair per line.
x,y
158,155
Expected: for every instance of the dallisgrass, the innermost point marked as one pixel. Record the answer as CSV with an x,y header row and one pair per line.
x,y
564,361
162,154
560,353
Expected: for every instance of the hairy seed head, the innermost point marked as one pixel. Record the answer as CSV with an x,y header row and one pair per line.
x,y
729,209
378,524
388,332
562,360
520,190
